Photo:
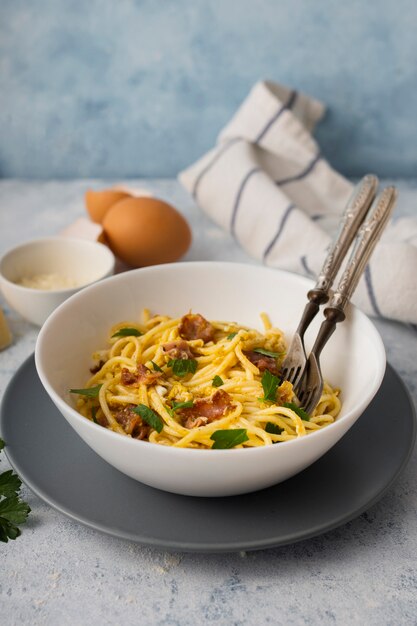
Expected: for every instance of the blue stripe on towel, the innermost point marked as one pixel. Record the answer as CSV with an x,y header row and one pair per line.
x,y
242,186
371,292
288,105
303,261
281,227
209,165
302,174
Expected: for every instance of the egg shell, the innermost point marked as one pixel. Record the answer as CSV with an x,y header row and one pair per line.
x,y
99,202
146,231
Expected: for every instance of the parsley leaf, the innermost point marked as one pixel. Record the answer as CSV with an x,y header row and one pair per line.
x,y
90,392
217,381
269,384
297,409
182,367
13,511
274,355
10,484
149,416
180,405
229,337
127,332
156,367
273,429
8,531
224,439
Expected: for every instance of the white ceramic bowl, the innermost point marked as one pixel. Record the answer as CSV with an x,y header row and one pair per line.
x,y
354,359
83,261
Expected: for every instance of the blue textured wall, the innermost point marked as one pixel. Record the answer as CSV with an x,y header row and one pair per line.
x,y
141,88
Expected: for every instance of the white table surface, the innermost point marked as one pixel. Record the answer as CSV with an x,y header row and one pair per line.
x,y
60,572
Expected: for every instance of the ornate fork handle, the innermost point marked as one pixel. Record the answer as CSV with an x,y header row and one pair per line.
x,y
368,236
355,212
365,242
353,215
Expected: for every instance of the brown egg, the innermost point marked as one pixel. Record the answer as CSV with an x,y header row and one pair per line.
x,y
99,202
146,231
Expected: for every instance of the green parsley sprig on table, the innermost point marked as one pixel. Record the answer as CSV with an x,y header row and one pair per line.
x,y
13,511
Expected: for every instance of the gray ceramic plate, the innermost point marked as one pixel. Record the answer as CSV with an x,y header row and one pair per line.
x,y
62,470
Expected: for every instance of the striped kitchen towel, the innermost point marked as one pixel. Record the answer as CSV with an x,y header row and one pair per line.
x,y
267,184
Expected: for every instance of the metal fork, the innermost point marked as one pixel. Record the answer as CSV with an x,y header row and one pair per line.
x,y
355,211
310,386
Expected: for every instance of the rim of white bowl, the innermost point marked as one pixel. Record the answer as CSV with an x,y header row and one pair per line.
x,y
111,262
355,311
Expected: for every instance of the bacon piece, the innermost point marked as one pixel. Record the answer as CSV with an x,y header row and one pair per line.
x,y
178,350
262,361
206,410
196,327
132,423
147,376
128,377
142,375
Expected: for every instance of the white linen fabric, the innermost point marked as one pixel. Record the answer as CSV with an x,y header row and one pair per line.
x,y
267,184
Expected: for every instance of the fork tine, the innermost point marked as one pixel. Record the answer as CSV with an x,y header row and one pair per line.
x,y
303,396
313,401
310,385
296,376
285,373
294,361
306,399
292,374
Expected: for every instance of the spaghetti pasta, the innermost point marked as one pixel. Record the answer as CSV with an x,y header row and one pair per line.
x,y
190,383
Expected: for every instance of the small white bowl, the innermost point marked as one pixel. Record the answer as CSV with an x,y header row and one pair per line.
x,y
354,360
81,260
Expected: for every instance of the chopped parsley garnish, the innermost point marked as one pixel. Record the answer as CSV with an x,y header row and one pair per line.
x,y
13,511
156,367
180,405
224,439
274,355
217,381
182,367
297,409
270,385
149,416
127,332
90,392
273,429
229,337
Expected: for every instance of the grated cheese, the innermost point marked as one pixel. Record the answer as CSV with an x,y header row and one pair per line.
x,y
47,282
